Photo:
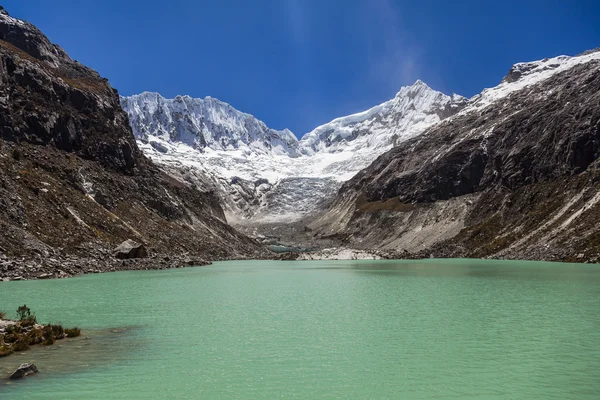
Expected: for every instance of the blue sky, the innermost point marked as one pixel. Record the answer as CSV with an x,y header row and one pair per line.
x,y
301,63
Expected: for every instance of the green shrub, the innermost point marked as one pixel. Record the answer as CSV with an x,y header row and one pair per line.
x,y
2,315
10,338
13,329
48,335
48,341
29,321
20,336
25,315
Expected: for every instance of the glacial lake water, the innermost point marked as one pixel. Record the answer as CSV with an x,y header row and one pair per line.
x,y
435,329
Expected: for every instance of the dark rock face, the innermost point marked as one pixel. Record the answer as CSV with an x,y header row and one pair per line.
x,y
130,249
543,139
73,183
46,98
512,166
24,370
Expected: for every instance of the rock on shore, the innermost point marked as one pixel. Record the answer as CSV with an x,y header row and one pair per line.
x,y
24,370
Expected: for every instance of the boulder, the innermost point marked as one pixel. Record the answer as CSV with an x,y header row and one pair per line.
x,y
103,200
194,262
130,249
24,370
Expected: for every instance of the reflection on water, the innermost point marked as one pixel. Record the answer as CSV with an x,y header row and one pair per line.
x,y
434,329
480,268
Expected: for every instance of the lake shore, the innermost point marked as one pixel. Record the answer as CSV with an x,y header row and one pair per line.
x,y
66,266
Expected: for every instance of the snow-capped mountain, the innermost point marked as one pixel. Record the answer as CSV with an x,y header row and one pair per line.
x,y
413,109
268,175
204,123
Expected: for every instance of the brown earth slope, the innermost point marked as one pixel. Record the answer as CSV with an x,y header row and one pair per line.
x,y
73,183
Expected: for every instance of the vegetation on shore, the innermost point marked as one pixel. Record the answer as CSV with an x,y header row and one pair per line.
x,y
19,335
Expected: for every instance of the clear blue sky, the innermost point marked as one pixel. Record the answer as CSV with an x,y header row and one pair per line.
x,y
301,63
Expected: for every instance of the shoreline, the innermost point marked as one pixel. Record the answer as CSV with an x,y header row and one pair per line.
x,y
61,267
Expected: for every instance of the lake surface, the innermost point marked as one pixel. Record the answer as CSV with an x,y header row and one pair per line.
x,y
435,329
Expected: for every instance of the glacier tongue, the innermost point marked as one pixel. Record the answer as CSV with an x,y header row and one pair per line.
x,y
265,175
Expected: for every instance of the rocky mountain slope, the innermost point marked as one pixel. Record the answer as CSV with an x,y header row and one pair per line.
x,y
515,174
73,182
268,176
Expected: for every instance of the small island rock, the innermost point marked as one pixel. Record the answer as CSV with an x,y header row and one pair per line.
x,y
24,370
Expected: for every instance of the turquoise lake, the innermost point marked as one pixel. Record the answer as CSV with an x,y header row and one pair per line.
x,y
434,329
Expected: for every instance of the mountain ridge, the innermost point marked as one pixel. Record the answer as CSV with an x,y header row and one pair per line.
x,y
254,181
131,100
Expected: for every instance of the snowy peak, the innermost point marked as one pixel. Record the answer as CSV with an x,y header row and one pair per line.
x,y
211,124
414,90
412,110
547,66
526,74
203,124
265,174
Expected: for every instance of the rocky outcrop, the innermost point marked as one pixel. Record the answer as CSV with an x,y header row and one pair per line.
x,y
48,99
517,178
24,370
73,183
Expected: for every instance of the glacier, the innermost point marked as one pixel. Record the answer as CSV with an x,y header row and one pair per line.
x,y
266,175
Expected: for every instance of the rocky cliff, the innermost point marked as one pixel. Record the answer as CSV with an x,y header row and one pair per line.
x,y
73,182
513,175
